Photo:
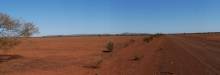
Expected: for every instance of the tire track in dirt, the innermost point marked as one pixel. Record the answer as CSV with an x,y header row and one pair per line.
x,y
206,53
178,57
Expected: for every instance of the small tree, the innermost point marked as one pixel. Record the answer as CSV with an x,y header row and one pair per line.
x,y
12,29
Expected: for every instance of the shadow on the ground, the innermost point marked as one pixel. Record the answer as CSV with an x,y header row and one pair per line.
x,y
5,58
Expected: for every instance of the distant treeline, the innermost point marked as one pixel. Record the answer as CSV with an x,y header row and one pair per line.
x,y
198,33
131,34
123,34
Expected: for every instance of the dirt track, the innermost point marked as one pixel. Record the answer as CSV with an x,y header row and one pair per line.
x,y
189,56
167,55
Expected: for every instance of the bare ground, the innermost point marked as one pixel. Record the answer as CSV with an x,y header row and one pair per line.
x,y
167,55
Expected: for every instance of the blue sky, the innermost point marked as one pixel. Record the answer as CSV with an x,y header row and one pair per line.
x,y
57,17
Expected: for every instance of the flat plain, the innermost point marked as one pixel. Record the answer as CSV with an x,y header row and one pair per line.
x,y
83,55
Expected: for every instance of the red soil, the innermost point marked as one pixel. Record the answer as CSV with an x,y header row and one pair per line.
x,y
167,55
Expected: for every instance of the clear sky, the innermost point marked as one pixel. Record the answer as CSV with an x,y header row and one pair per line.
x,y
57,17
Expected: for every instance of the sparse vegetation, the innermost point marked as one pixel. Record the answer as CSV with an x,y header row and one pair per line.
x,y
157,35
95,64
109,47
147,39
136,57
150,38
11,29
7,43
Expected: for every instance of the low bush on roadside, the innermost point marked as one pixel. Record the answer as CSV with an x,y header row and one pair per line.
x,y
147,39
157,35
150,38
109,47
7,43
94,65
137,56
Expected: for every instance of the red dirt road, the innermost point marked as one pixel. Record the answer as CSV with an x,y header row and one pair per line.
x,y
189,56
166,55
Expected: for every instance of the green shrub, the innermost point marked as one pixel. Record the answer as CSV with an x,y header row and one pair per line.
x,y
137,56
7,43
109,47
158,35
147,39
150,38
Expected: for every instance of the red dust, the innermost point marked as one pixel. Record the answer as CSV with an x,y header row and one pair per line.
x,y
166,55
